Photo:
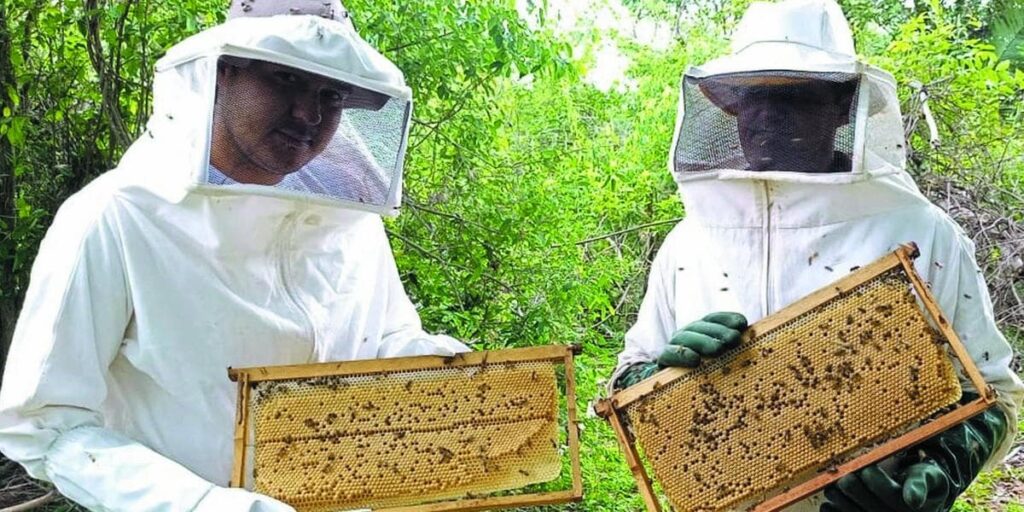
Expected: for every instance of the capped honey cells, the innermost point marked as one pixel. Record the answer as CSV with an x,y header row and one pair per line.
x,y
403,438
852,371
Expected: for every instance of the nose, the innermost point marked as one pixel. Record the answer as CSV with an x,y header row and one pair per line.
x,y
306,108
773,115
767,117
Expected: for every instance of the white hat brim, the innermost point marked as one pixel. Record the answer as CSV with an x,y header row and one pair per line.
x,y
768,56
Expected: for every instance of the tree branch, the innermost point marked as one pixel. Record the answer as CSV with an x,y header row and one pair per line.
x,y
624,231
457,218
442,261
420,41
107,78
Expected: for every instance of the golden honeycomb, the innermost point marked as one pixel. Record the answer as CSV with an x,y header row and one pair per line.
x,y
404,438
799,398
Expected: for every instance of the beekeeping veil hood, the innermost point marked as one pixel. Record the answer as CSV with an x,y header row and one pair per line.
x,y
283,100
795,62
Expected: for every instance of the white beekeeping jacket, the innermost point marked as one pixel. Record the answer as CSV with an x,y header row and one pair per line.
x,y
151,283
754,242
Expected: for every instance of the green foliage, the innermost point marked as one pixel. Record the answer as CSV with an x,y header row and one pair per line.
x,y
975,96
1007,30
534,202
74,90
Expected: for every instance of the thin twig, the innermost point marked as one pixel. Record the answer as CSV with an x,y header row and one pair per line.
x,y
442,261
419,41
459,104
624,231
458,218
32,504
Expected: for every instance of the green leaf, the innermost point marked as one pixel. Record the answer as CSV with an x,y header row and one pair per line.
x,y
1007,34
16,131
21,205
12,94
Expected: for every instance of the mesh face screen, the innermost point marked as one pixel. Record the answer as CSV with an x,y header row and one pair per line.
x,y
768,121
854,370
284,127
370,441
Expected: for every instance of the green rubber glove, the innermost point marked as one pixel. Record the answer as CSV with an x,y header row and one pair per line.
x,y
635,374
927,477
708,337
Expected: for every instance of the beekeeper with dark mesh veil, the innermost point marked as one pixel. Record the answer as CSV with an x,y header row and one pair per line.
x,y
789,156
243,228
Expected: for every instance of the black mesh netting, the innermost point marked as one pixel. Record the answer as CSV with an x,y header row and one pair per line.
x,y
768,121
280,126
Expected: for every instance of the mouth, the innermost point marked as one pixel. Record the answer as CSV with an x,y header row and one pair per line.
x,y
293,138
780,139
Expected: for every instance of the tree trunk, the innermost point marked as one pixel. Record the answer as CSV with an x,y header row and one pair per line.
x,y
8,316
8,215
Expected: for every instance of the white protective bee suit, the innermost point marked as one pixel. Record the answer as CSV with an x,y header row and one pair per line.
x,y
755,241
153,280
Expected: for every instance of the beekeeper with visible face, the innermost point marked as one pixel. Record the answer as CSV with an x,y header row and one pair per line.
x,y
242,229
789,156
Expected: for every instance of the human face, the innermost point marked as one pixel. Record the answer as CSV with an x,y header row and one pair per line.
x,y
270,120
791,128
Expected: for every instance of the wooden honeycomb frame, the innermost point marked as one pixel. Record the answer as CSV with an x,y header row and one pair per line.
x,y
744,362
353,378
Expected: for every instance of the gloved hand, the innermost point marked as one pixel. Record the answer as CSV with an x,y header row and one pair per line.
x,y
636,373
708,337
925,478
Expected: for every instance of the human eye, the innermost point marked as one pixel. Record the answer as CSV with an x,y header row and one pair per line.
x,y
335,96
286,77
332,96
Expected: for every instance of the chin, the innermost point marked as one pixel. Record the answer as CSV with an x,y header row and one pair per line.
x,y
283,166
770,162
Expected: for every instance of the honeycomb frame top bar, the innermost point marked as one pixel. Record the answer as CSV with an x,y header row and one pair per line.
x,y
396,364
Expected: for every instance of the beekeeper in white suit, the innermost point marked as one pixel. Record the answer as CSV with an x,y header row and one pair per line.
x,y
242,229
789,156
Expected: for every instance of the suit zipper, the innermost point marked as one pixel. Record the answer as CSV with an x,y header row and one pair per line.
x,y
284,243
